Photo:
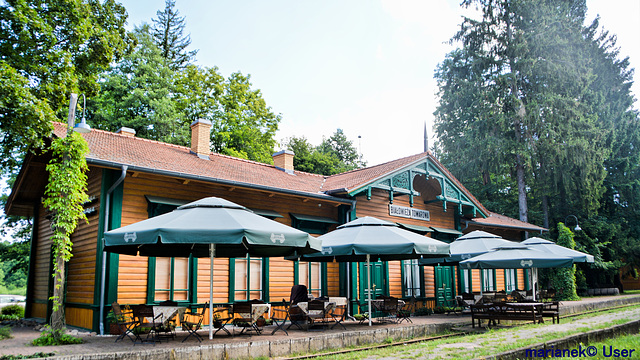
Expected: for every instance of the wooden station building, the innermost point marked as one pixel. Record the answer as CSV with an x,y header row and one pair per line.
x,y
131,179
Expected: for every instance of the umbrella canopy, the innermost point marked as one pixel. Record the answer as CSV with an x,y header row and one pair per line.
x,y
189,230
553,248
377,238
516,257
205,226
467,246
370,238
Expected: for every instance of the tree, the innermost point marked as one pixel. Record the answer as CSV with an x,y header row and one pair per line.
x,y
167,34
139,93
333,156
49,51
514,102
244,126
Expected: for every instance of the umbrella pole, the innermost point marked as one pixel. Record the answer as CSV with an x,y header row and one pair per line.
x,y
534,277
212,255
369,286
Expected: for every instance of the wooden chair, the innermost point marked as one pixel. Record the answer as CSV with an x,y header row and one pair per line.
x,y
124,321
146,323
405,313
222,316
246,317
192,322
316,313
280,317
340,312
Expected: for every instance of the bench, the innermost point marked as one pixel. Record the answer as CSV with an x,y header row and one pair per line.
x,y
506,311
552,310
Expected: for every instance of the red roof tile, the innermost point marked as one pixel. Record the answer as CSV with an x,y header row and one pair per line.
x,y
113,149
502,221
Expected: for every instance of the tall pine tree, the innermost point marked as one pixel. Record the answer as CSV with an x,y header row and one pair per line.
x,y
168,34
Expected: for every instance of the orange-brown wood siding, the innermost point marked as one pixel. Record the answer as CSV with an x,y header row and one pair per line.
x,y
378,207
82,266
333,279
395,279
429,281
133,270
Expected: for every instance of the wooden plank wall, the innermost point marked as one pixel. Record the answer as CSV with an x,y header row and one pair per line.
x,y
81,267
395,278
378,207
133,269
41,265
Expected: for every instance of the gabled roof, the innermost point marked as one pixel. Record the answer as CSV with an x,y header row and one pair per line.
x,y
382,176
114,150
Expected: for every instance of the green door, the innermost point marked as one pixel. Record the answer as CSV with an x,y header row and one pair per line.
x,y
444,286
378,280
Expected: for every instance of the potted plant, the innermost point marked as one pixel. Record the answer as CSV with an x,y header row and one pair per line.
x,y
217,323
112,320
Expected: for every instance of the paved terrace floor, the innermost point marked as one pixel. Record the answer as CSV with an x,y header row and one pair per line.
x,y
267,345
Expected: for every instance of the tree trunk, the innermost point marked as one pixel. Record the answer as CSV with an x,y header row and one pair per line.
x,y
545,211
57,316
522,189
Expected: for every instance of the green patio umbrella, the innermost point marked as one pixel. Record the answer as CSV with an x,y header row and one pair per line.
x,y
467,246
516,257
207,226
553,248
369,238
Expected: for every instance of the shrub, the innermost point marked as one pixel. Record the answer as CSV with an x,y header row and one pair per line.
x,y
423,311
439,309
55,337
13,310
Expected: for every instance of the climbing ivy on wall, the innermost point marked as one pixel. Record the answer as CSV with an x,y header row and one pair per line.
x,y
65,193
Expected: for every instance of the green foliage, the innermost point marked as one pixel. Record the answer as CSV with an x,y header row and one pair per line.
x,y
423,311
32,356
5,332
54,337
13,310
48,52
64,195
563,280
167,35
14,266
333,156
146,94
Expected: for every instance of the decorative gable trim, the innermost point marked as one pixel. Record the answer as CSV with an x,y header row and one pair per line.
x,y
401,181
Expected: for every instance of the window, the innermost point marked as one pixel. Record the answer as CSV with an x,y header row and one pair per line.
x,y
248,279
465,281
488,280
411,278
510,283
172,279
169,278
310,274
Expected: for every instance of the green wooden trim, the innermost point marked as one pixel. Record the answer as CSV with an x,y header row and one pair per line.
x,y
323,278
232,280
527,281
402,279
193,279
151,280
32,255
265,279
296,272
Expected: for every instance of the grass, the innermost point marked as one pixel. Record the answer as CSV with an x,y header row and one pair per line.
x,y
5,332
490,342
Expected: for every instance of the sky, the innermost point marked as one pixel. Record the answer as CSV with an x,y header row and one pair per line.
x,y
365,66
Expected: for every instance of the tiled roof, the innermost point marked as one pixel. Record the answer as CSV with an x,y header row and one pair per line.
x,y
111,149
115,149
502,221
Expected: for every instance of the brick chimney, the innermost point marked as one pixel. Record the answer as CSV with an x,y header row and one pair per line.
x,y
126,131
283,160
200,140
